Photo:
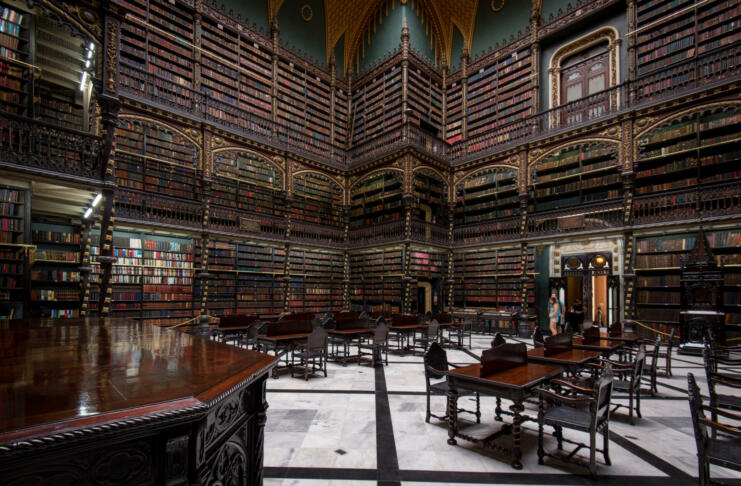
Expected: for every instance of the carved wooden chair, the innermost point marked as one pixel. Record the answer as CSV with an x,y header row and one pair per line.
x,y
724,452
628,380
498,340
376,348
723,377
538,339
459,332
428,336
436,368
568,405
311,356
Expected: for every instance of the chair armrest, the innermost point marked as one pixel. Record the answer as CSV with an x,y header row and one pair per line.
x,y
727,380
573,386
616,364
729,429
573,401
723,412
436,371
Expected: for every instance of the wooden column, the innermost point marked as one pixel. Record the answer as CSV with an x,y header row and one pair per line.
x,y
444,111
522,192
346,268
628,179
407,200
274,31
535,15
85,267
632,25
332,121
204,276
404,73
451,255
197,24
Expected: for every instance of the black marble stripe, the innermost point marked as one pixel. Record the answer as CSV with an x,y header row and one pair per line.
x,y
387,461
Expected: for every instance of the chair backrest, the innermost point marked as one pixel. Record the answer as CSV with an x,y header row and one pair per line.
x,y
364,314
298,316
670,340
380,320
288,327
590,335
403,320
433,328
698,415
538,339
317,340
558,343
498,340
603,394
381,333
655,353
435,359
330,324
615,329
503,357
638,365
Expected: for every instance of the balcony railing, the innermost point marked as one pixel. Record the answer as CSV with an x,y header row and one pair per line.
x,y
721,200
499,230
317,233
40,145
428,232
157,209
582,218
377,233
236,221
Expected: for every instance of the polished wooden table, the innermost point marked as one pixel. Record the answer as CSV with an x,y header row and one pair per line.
x,y
115,401
572,359
628,338
515,384
348,336
404,331
281,345
604,346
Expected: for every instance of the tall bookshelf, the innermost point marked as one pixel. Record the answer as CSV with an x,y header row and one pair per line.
x,y
425,97
317,199
222,285
152,279
255,78
376,280
499,93
260,289
14,257
376,104
342,118
244,180
578,174
315,283
701,148
487,195
55,275
220,67
377,199
429,189
454,114
488,279
15,45
155,159
726,245
683,33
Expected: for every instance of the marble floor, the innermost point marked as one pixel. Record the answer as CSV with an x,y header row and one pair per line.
x,y
366,426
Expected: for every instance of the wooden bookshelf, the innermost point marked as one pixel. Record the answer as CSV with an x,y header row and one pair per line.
x,y
246,181
315,283
702,148
152,158
317,199
55,278
578,174
14,262
487,195
428,264
424,97
454,115
260,289
429,189
488,279
377,199
222,286
726,245
14,46
376,280
377,104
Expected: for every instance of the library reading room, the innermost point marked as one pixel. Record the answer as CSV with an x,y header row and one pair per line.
x,y
370,242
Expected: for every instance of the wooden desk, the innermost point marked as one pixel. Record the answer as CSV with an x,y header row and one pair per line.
x,y
603,346
115,401
572,360
629,338
403,331
514,384
348,336
281,345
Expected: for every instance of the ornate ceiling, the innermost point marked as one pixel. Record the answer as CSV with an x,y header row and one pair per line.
x,y
355,18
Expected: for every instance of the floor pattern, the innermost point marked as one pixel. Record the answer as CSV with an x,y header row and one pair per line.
x,y
366,426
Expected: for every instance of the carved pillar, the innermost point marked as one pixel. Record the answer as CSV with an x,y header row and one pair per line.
x,y
408,202
404,73
85,268
346,269
535,15
451,255
629,279
464,94
274,31
205,190
522,178
632,25
627,173
106,257
197,22
350,128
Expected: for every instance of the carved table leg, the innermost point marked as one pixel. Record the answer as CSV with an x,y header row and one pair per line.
x,y
498,410
517,408
452,415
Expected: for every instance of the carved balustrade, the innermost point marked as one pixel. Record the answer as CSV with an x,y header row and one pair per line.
x,y
582,218
429,232
157,209
498,230
377,233
317,233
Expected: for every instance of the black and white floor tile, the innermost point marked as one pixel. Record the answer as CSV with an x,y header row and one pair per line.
x,y
366,426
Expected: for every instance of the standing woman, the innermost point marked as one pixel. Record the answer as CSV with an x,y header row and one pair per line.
x,y
554,314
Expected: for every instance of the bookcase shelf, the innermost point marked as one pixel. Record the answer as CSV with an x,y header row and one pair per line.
x,y
430,189
259,289
575,175
317,199
487,195
246,181
376,280
700,148
428,264
315,282
14,45
55,278
152,158
376,199
377,104
488,279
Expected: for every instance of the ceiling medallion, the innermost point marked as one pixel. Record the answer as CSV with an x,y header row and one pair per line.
x,y
307,13
494,7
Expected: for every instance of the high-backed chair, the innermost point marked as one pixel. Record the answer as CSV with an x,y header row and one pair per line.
x,y
312,356
436,383
376,348
568,405
628,380
727,401
498,340
428,336
459,332
538,339
724,452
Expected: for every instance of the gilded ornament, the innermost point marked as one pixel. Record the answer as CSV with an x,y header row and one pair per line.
x,y
494,6
306,12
